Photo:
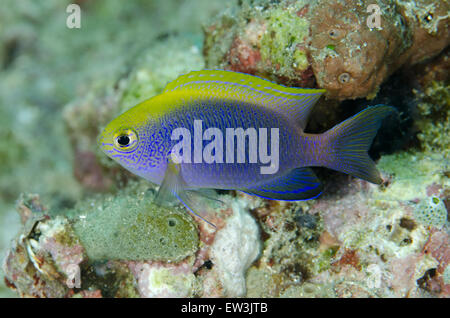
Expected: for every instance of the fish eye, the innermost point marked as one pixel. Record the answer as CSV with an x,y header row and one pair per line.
x,y
125,140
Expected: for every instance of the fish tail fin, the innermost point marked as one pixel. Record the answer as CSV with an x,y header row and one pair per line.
x,y
350,141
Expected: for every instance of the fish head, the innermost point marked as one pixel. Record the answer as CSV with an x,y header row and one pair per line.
x,y
125,139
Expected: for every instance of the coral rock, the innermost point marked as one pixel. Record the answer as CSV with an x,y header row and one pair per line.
x,y
124,246
337,45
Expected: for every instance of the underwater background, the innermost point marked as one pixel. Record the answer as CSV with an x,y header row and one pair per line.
x,y
75,224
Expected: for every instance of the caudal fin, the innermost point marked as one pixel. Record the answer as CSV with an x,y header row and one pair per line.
x,y
350,141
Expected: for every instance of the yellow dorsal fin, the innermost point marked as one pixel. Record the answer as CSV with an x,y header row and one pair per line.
x,y
295,103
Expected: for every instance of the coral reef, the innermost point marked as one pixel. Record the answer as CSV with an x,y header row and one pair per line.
x,y
93,230
363,242
331,44
124,246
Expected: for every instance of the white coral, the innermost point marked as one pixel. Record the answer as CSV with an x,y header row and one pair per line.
x,y
234,249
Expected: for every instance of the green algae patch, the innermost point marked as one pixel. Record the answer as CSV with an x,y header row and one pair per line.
x,y
130,227
434,119
285,30
412,173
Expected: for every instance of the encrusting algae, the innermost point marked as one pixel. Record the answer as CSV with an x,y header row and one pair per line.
x,y
144,231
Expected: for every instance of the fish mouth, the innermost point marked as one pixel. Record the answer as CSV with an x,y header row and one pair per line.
x,y
104,142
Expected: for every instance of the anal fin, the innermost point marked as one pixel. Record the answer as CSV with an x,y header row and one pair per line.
x,y
298,184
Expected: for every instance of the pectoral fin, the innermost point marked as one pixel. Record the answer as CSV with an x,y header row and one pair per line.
x,y
299,184
174,187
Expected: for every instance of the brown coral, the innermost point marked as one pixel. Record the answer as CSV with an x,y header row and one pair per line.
x,y
349,58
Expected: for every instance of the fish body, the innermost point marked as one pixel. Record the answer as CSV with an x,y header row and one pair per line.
x,y
227,114
201,113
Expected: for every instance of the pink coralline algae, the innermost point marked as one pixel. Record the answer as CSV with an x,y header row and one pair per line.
x,y
438,247
242,57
